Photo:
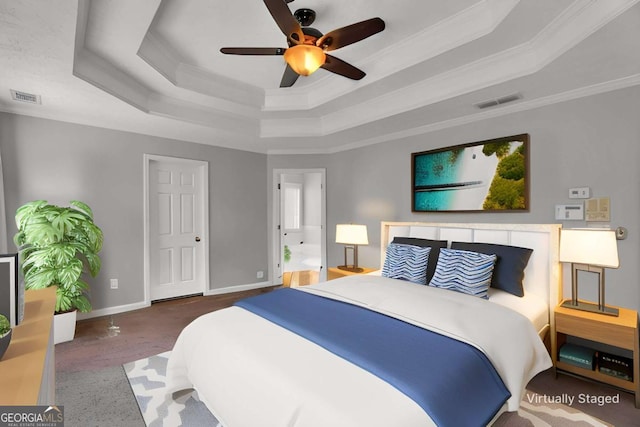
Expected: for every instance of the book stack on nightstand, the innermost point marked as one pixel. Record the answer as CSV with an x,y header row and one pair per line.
x,y
620,333
615,366
577,355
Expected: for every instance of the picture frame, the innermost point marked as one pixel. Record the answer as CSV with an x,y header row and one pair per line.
x,y
482,176
11,290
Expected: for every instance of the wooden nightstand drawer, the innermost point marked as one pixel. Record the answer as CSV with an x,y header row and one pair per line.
x,y
595,330
335,272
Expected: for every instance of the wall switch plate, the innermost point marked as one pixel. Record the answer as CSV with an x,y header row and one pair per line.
x,y
260,275
114,283
569,212
579,193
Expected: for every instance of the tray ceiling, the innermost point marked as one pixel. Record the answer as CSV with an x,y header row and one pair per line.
x,y
154,67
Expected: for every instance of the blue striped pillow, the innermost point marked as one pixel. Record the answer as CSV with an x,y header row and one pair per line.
x,y
464,271
406,262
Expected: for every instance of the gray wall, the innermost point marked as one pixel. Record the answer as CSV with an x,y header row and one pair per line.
x,y
44,159
592,142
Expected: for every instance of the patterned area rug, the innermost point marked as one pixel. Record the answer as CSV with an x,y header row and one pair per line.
x,y
147,379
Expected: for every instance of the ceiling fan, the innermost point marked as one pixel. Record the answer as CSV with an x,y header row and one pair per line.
x,y
307,46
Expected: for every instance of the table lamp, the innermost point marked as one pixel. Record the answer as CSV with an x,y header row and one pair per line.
x,y
589,250
351,235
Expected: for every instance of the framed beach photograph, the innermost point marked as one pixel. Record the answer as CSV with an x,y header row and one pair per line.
x,y
483,176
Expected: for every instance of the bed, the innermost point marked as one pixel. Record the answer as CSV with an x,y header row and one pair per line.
x,y
299,357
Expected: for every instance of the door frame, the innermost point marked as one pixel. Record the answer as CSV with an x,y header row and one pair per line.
x,y
278,256
204,193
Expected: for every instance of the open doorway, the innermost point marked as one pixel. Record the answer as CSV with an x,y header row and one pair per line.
x,y
299,224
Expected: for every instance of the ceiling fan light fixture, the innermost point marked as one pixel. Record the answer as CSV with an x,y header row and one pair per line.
x,y
305,59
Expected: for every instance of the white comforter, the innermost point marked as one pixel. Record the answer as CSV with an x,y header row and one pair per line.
x,y
251,372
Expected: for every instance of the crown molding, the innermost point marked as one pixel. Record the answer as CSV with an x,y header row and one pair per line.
x,y
583,92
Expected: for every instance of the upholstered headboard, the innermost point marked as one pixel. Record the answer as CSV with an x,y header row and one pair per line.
x,y
543,274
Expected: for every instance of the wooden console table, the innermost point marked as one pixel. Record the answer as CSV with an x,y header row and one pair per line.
x,y
27,369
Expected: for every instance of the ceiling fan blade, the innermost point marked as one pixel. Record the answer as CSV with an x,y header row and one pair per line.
x,y
345,69
287,23
253,50
350,34
289,77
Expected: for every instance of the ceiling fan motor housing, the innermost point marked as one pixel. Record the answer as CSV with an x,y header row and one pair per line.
x,y
305,16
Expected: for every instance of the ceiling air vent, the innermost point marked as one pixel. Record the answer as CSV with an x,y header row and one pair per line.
x,y
25,97
498,101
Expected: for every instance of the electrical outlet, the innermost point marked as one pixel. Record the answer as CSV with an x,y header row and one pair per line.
x,y
114,283
260,274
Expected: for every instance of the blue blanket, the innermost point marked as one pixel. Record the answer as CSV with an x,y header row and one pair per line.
x,y
452,381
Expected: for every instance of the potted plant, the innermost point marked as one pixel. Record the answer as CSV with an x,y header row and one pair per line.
x,y
5,334
58,246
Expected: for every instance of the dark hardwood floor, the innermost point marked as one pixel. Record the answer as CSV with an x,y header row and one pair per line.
x,y
113,340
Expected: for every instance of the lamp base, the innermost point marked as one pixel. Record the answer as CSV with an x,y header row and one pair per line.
x,y
591,307
351,268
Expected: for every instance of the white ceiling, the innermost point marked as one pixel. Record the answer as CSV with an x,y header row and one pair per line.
x,y
154,66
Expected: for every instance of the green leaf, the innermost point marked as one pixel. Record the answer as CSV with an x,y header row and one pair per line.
x,y
27,211
69,274
82,207
94,263
82,303
41,234
40,278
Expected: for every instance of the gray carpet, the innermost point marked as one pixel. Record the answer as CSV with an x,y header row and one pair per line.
x,y
101,398
147,381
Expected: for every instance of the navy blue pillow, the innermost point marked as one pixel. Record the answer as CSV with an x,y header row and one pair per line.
x,y
435,246
508,272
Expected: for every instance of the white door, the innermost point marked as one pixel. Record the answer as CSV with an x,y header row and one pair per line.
x,y
299,205
177,228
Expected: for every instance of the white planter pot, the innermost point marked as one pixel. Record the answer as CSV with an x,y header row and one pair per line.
x,y
64,327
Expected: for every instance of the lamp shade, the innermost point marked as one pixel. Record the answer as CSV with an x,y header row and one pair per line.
x,y
589,246
351,234
304,59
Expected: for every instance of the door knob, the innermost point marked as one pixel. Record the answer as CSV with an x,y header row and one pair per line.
x,y
197,239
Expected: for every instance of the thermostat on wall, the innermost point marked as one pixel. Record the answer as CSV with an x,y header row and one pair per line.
x,y
579,193
569,212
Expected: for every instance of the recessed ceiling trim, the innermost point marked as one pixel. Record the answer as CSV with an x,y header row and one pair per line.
x,y
163,58
579,21
504,66
582,92
463,27
154,50
199,80
102,74
189,112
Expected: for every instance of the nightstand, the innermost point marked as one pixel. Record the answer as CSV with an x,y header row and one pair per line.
x,y
620,332
335,272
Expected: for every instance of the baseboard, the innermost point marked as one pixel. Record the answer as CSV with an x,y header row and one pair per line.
x,y
238,288
130,307
112,310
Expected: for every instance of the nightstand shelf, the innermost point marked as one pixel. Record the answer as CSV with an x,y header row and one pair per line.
x,y
335,272
620,332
